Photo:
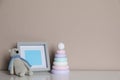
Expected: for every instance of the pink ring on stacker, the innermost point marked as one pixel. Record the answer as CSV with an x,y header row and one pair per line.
x,y
58,55
61,51
60,72
60,68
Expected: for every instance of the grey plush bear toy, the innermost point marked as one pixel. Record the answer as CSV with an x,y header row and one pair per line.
x,y
18,65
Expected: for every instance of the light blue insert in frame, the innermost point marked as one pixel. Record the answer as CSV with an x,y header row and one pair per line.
x,y
33,57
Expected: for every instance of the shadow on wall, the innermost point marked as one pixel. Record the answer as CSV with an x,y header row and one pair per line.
x,y
52,52
5,62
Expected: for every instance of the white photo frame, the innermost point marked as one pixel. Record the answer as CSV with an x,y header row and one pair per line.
x,y
36,53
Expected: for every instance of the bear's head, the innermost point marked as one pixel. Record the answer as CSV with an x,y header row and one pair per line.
x,y
13,52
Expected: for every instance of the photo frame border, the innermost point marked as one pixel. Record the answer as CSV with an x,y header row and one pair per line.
x,y
47,59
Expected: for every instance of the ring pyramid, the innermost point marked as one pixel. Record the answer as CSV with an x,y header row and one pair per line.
x,y
60,63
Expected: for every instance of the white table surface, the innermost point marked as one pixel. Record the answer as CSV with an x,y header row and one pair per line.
x,y
73,75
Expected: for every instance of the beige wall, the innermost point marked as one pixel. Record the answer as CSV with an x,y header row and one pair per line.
x,y
89,28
